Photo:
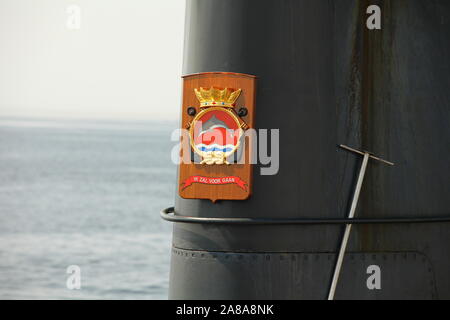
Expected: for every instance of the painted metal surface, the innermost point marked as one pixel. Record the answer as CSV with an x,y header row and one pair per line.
x,y
324,79
225,275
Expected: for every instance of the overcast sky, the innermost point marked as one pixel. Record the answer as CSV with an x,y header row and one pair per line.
x,y
121,59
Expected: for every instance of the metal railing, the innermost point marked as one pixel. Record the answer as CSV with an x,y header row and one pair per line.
x,y
169,215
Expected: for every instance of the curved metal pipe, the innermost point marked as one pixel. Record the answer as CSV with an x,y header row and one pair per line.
x,y
168,214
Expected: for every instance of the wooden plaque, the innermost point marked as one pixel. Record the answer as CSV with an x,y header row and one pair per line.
x,y
218,112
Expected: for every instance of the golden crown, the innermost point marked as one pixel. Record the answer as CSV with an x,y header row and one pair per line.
x,y
214,97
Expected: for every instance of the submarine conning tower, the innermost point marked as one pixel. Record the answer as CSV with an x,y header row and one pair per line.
x,y
325,79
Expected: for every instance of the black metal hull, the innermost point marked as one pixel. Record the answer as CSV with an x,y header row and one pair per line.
x,y
325,79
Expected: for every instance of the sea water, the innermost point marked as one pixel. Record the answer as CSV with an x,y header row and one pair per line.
x,y
84,193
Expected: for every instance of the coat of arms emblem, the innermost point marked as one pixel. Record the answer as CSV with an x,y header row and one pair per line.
x,y
219,108
216,130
